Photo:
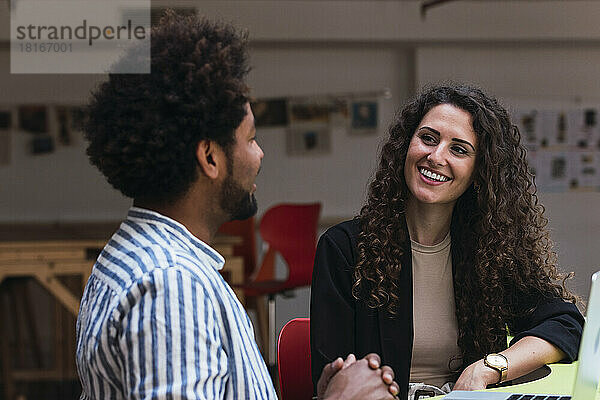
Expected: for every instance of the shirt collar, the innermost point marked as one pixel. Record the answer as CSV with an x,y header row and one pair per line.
x,y
180,232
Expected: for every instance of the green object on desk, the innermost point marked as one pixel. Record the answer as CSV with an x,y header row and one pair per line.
x,y
559,381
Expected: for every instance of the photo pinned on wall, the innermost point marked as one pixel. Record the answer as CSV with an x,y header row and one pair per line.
x,y
364,117
5,136
313,111
561,128
309,132
530,127
5,120
5,147
42,144
339,111
584,131
586,173
306,140
63,126
549,122
553,171
33,119
270,113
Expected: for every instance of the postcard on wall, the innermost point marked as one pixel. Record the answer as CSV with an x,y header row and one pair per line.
x,y
364,117
548,121
585,173
33,119
561,129
552,171
5,120
339,111
583,128
314,111
308,140
270,113
309,131
529,123
5,146
42,144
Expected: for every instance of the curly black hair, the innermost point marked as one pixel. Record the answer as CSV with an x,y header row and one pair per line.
x,y
499,238
143,129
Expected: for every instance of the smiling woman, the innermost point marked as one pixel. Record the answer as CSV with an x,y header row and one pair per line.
x,y
441,156
450,249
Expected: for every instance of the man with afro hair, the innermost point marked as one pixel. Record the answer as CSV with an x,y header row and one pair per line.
x,y
157,320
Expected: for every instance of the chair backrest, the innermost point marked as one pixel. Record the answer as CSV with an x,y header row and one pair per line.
x,y
293,359
247,249
291,230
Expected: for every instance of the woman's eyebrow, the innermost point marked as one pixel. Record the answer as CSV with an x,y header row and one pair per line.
x,y
430,129
464,141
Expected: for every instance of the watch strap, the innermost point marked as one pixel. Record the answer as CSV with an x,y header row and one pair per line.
x,y
503,370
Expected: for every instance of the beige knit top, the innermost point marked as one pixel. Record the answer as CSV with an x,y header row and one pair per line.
x,y
435,350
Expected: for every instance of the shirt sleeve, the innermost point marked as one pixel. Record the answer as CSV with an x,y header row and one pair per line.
x,y
168,339
554,320
332,306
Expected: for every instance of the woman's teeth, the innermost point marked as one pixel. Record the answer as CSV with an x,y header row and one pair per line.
x,y
433,175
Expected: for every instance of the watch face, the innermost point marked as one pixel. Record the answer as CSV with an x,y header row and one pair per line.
x,y
496,360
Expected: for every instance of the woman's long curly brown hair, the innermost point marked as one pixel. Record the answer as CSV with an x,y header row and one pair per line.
x,y
501,248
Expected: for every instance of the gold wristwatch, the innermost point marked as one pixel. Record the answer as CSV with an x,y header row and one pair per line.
x,y
499,363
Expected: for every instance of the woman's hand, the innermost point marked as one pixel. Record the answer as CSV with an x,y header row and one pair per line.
x,y
476,377
527,355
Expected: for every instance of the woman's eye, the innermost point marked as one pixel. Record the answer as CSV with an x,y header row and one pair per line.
x,y
459,150
427,138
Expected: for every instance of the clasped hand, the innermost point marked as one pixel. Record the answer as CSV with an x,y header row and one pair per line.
x,y
363,379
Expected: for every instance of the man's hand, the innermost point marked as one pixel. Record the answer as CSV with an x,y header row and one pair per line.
x,y
328,372
351,379
476,377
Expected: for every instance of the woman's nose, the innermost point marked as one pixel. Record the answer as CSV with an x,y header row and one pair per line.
x,y
436,157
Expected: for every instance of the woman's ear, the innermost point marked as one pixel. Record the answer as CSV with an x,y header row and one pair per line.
x,y
210,157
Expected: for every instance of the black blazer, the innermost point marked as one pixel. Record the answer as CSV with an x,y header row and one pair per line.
x,y
341,325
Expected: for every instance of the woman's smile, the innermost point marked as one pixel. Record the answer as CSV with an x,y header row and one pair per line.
x,y
433,178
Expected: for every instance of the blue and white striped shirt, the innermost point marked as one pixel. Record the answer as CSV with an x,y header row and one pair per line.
x,y
157,320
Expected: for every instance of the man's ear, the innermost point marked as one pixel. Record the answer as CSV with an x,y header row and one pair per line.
x,y
210,157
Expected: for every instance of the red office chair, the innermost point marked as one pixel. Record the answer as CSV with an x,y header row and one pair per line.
x,y
290,230
293,359
246,229
247,249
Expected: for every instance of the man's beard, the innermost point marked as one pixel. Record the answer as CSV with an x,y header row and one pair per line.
x,y
237,202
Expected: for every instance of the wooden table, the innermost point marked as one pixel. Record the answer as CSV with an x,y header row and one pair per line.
x,y
48,254
45,261
553,378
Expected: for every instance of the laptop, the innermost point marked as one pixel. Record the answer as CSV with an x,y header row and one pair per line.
x,y
588,368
